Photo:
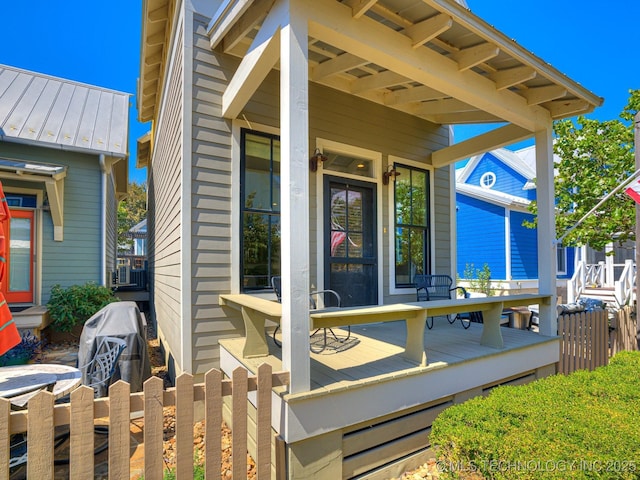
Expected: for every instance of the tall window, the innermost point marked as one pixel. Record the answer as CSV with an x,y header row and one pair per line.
x,y
260,193
411,199
561,253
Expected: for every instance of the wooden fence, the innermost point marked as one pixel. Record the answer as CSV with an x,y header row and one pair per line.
x,y
43,416
587,342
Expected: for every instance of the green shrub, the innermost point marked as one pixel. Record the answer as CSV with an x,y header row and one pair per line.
x,y
585,425
76,304
479,279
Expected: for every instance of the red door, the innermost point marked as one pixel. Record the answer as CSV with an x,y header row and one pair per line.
x,y
18,284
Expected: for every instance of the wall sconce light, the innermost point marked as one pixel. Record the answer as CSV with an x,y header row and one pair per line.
x,y
391,172
315,158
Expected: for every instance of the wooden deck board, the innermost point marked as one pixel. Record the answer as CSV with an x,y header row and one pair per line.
x,y
377,352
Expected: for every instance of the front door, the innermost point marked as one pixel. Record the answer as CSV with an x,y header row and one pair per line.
x,y
17,287
350,241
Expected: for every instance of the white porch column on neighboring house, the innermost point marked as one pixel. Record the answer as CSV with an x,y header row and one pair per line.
x,y
547,257
294,175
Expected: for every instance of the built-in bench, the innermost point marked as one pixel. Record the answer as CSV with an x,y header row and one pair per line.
x,y
256,310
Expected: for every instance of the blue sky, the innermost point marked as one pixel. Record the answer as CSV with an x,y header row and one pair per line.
x,y
99,43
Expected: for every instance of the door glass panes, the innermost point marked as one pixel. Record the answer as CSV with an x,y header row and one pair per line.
x,y
411,196
20,255
346,223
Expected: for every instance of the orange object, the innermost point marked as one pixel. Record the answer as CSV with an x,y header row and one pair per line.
x,y
9,335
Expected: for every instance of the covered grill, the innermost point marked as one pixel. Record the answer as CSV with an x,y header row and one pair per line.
x,y
123,320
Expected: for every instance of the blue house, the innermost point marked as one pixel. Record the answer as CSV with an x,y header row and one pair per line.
x,y
493,192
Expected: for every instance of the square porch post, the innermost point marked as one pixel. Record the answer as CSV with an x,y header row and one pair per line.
x,y
547,257
294,174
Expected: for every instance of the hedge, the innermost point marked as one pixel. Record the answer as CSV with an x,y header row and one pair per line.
x,y
585,425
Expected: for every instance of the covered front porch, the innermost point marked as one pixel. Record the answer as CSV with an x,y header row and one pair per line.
x,y
369,409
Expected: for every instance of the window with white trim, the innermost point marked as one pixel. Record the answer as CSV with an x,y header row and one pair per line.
x,y
411,224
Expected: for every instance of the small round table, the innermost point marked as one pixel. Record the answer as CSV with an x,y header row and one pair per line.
x,y
20,383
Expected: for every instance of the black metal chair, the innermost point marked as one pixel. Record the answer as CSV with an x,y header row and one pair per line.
x,y
276,284
440,287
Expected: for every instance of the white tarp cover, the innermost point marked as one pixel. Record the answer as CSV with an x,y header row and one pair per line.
x,y
122,320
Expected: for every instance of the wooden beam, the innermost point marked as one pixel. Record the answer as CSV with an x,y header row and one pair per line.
x,y
256,64
339,64
565,108
55,194
512,76
461,118
422,32
485,142
538,95
410,95
252,17
332,22
380,80
360,7
472,56
445,106
225,17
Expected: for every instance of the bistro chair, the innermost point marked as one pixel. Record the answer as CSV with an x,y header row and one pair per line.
x,y
440,287
276,284
99,372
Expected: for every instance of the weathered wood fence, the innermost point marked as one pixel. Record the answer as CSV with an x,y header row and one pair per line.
x,y
43,416
587,341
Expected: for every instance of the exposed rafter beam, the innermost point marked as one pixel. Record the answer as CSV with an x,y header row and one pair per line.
x,y
479,116
472,56
158,15
252,17
536,96
262,56
565,108
512,76
440,107
422,32
360,7
339,64
485,142
227,15
410,95
380,80
475,24
332,23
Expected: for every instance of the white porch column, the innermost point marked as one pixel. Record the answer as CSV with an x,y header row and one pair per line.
x,y
294,174
547,258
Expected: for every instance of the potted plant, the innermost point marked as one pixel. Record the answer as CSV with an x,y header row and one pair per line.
x,y
28,348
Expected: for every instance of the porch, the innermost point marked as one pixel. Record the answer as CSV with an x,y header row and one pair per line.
x,y
370,409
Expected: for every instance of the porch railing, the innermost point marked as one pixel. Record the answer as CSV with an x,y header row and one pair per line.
x,y
597,276
43,416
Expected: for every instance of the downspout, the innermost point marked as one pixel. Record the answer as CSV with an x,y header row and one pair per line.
x,y
103,220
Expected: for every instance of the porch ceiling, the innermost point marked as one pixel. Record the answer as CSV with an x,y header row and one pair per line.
x,y
433,59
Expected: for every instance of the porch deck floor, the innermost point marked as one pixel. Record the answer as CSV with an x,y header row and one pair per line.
x,y
374,352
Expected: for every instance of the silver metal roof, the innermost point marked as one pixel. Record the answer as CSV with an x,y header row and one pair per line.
x,y
53,112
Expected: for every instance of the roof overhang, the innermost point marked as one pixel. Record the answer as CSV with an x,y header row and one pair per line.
x,y
143,155
156,32
492,196
433,59
51,175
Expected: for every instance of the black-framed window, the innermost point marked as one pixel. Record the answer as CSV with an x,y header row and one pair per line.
x,y
260,209
411,224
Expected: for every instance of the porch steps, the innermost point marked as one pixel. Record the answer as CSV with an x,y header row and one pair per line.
x,y
32,319
606,294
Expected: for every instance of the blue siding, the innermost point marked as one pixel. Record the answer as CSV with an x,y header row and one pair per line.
x,y
481,234
507,179
524,248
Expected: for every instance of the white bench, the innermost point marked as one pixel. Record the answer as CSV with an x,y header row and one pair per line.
x,y
256,310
